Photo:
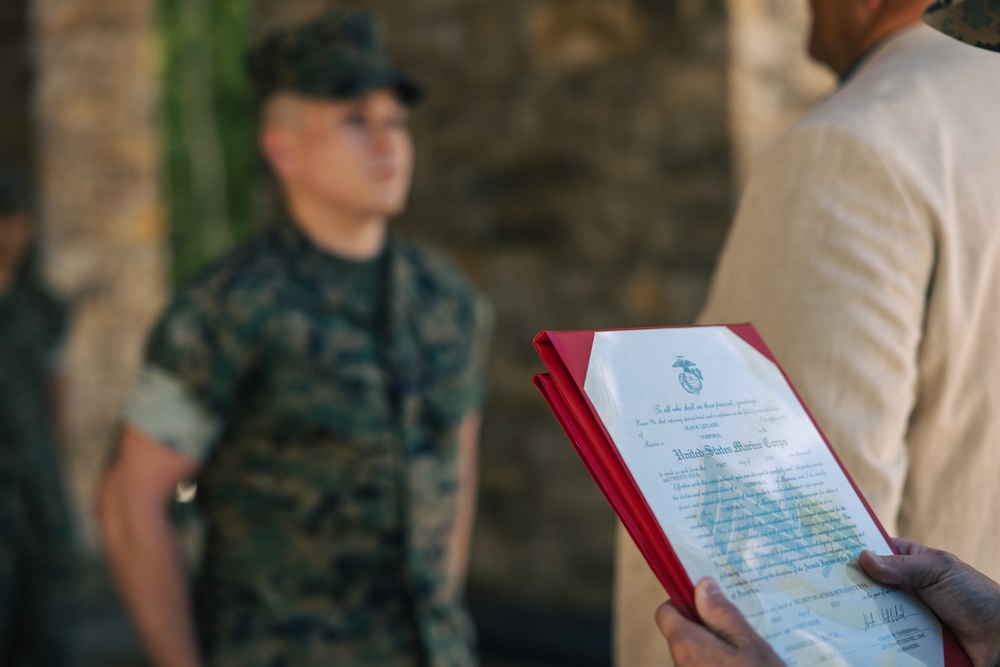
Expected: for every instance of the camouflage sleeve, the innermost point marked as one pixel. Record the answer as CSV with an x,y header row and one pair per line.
x,y
474,382
55,361
57,316
195,360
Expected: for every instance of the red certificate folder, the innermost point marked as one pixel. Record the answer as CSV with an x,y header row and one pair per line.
x,y
566,356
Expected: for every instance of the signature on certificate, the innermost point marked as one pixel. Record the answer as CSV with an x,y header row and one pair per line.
x,y
885,616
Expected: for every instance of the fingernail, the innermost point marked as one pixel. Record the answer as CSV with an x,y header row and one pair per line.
x,y
711,588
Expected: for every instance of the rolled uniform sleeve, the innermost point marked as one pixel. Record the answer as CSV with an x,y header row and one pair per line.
x,y
195,361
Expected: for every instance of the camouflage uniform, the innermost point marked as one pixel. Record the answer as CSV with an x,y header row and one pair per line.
x,y
975,22
337,56
328,451
34,523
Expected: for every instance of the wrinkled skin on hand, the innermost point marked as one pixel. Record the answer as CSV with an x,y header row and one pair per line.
x,y
964,599
726,639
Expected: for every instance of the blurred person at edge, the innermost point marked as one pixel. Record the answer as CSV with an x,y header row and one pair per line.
x,y
866,250
966,600
36,562
322,385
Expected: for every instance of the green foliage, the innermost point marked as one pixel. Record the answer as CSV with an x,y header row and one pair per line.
x,y
211,162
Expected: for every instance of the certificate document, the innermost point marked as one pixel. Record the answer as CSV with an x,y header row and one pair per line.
x,y
700,431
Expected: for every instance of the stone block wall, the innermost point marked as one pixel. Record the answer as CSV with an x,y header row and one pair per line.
x,y
104,243
772,80
575,156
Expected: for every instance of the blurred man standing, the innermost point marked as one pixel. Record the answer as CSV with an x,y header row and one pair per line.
x,y
322,385
35,535
866,250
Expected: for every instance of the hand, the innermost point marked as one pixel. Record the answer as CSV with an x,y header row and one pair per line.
x,y
726,639
964,599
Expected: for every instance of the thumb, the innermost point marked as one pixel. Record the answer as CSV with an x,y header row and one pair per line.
x,y
719,614
912,571
879,568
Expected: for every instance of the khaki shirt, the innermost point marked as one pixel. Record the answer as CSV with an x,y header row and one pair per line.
x,y
866,250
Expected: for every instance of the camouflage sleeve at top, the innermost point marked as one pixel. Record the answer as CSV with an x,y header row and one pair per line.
x,y
57,334
56,361
474,381
195,359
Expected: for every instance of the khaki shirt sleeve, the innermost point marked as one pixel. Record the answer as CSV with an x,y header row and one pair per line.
x,y
830,257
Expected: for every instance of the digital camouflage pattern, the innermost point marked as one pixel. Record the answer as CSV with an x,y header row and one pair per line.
x,y
339,55
975,22
35,535
331,489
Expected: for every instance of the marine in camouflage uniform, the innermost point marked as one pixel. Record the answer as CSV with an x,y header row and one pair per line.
x,y
35,544
321,399
326,431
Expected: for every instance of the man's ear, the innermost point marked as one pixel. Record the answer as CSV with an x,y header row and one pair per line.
x,y
278,146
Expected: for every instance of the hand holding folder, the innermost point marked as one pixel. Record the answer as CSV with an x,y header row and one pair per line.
x,y
715,467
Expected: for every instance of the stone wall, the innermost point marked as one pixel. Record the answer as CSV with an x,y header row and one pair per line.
x,y
573,155
103,235
772,80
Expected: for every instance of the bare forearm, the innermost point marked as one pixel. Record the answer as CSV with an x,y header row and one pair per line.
x,y
460,542
461,539
148,570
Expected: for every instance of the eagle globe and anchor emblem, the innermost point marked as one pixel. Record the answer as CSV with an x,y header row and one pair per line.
x,y
690,376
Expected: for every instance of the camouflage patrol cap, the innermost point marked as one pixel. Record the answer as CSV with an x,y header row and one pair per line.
x,y
975,22
338,55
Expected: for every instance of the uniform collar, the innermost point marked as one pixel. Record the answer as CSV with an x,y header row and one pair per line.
x,y
320,272
292,235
